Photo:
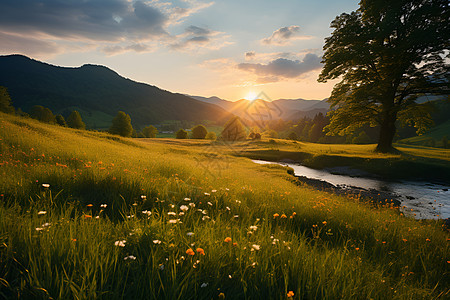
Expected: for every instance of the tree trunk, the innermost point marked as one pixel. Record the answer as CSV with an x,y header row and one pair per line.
x,y
387,133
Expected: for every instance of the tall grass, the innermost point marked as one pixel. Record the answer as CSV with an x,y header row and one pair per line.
x,y
261,234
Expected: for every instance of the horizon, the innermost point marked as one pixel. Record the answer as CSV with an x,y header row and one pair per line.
x,y
183,46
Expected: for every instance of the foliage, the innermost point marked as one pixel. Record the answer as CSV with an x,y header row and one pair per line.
x,y
150,131
211,136
74,120
293,136
362,138
42,114
5,101
199,132
387,53
121,125
60,120
234,130
181,134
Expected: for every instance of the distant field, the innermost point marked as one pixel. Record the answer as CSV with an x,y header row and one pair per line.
x,y
437,133
89,215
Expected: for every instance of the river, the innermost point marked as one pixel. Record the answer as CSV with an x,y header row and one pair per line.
x,y
422,200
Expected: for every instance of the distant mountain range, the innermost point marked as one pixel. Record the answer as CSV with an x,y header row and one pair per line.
x,y
287,109
98,93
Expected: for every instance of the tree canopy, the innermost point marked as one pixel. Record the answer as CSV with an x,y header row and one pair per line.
x,y
234,130
181,134
42,114
5,101
199,132
74,120
387,53
150,131
121,125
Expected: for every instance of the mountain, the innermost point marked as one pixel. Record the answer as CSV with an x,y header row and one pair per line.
x,y
98,93
287,109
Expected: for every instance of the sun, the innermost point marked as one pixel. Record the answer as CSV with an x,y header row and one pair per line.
x,y
251,96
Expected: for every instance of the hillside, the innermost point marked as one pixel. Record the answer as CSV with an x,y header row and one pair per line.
x,y
98,93
164,219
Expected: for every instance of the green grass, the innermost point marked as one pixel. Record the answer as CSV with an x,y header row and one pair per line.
x,y
328,246
437,133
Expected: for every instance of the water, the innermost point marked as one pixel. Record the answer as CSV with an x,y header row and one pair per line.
x,y
423,200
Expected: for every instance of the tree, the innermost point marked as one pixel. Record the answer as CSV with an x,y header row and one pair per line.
x,y
5,101
387,53
74,120
60,120
42,114
121,125
150,131
199,132
211,136
234,130
293,136
181,134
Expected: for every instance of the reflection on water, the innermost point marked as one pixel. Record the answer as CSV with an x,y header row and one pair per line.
x,y
419,198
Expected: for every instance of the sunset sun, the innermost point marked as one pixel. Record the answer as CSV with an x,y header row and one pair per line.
x,y
251,96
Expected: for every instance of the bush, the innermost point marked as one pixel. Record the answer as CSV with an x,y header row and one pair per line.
x,y
42,114
181,134
199,132
293,136
270,134
61,121
211,136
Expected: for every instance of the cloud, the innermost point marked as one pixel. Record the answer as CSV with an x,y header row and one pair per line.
x,y
195,37
282,68
118,49
284,36
110,23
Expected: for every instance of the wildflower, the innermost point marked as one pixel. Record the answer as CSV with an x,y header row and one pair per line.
x,y
405,240
174,221
428,240
161,267
184,207
147,212
200,251
290,294
190,252
235,244
171,213
120,243
131,257
221,296
205,218
143,197
283,216
227,240
89,205
228,208
275,215
74,240
190,234
103,205
39,228
357,249
192,205
256,247
207,194
45,185
210,204
87,216
134,204
156,242
253,227
213,191
204,285
42,212
187,199
324,222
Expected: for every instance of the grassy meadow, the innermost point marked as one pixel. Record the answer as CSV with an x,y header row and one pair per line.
x,y
88,215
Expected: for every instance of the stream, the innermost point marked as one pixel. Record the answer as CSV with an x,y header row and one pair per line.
x,y
420,199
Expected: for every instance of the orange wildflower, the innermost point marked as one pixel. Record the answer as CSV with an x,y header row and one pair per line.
x,y
200,251
276,215
290,294
89,205
405,240
283,216
428,240
87,216
190,252
227,240
324,222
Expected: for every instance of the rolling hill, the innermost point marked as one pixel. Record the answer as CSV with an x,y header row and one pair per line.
x,y
98,93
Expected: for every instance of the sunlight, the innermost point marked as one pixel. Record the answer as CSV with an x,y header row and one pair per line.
x,y
251,96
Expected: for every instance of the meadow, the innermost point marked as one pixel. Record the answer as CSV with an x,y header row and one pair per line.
x,y
88,215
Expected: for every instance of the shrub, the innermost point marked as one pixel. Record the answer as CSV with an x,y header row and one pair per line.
x,y
181,134
211,136
234,130
150,131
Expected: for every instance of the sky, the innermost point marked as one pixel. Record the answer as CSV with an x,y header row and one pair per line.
x,y
226,48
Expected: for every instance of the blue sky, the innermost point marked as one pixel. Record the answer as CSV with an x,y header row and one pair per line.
x,y
225,48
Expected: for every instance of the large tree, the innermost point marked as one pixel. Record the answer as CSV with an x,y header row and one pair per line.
x,y
74,120
121,125
5,101
387,53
